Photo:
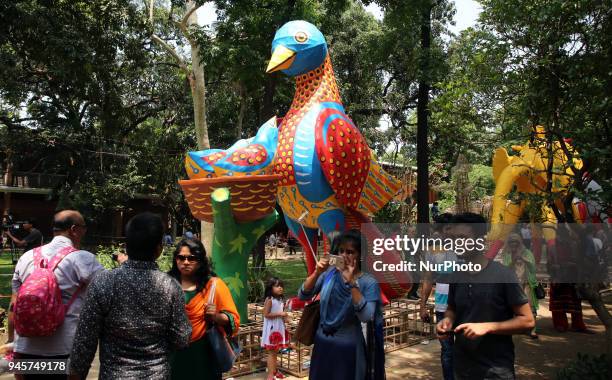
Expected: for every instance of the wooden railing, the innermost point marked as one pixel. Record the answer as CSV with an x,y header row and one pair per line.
x,y
33,180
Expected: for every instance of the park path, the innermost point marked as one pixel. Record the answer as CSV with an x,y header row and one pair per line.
x,y
535,359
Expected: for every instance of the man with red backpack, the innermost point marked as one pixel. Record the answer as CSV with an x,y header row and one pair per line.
x,y
49,287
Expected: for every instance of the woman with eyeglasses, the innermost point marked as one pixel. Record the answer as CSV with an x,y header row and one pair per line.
x,y
348,343
191,268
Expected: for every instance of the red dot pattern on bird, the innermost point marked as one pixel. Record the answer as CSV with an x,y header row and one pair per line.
x,y
344,156
251,155
213,157
316,86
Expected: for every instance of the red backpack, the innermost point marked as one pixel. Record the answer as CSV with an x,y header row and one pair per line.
x,y
39,309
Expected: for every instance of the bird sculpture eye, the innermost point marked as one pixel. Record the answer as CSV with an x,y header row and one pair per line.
x,y
301,37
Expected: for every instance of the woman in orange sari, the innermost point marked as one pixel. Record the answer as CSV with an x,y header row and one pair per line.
x,y
191,268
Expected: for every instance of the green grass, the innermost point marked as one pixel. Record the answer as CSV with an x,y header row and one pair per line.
x,y
292,272
6,274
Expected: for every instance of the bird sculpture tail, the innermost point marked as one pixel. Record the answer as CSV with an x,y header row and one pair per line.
x,y
379,188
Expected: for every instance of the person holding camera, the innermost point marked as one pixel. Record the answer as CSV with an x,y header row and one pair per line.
x,y
32,240
348,298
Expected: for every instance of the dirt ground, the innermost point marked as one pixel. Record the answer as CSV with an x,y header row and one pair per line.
x,y
535,359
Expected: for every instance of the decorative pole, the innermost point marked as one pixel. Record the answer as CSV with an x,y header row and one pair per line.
x,y
232,244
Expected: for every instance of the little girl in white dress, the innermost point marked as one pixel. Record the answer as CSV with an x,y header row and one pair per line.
x,y
274,336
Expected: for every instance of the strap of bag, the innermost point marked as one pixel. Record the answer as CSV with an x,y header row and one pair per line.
x,y
60,256
39,260
211,296
74,296
213,288
55,262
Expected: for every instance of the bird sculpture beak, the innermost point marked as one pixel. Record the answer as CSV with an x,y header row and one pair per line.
x,y
282,58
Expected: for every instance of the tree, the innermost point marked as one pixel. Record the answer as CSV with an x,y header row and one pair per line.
x,y
82,95
550,68
194,70
429,19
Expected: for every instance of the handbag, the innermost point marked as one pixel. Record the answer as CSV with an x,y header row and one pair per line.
x,y
310,319
540,293
308,324
224,349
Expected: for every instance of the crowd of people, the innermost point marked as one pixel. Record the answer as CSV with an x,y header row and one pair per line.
x,y
146,323
150,324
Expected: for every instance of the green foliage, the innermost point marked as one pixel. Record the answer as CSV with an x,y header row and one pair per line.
x,y
104,254
481,181
257,283
390,213
447,194
82,95
586,367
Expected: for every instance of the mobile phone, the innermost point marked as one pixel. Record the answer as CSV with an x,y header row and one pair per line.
x,y
337,261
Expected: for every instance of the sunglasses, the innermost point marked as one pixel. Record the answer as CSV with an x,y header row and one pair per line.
x,y
189,259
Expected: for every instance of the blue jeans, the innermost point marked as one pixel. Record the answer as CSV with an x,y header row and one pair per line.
x,y
446,353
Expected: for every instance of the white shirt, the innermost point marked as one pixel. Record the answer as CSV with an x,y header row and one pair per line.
x,y
78,268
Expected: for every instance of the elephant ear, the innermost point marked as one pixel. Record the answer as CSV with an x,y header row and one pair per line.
x,y
500,161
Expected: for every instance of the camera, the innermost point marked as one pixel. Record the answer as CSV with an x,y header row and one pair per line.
x,y
337,261
14,228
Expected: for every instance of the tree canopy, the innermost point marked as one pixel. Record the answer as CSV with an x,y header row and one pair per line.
x,y
86,92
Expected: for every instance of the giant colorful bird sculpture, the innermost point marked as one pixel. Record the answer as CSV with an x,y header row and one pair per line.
x,y
329,177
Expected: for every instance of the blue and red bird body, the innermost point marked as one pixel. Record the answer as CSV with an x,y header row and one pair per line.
x,y
330,178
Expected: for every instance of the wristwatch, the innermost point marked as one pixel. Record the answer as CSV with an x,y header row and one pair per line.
x,y
354,284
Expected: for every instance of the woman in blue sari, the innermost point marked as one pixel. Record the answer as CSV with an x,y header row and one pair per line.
x,y
348,344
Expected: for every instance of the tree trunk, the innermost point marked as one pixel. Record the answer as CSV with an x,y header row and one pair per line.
x,y
267,110
422,126
259,254
198,93
242,93
232,244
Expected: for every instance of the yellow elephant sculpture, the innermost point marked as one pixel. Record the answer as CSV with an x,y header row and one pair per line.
x,y
527,173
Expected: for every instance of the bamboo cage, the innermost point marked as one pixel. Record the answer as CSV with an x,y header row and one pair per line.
x,y
402,328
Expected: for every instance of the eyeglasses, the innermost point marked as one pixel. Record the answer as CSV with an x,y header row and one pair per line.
x,y
189,259
84,226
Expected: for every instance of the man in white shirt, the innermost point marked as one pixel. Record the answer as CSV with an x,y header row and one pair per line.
x,y
75,271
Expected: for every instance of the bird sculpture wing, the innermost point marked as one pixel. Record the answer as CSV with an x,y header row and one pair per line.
x,y
343,153
246,157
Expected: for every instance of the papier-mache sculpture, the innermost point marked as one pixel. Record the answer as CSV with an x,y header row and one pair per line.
x,y
325,174
527,173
